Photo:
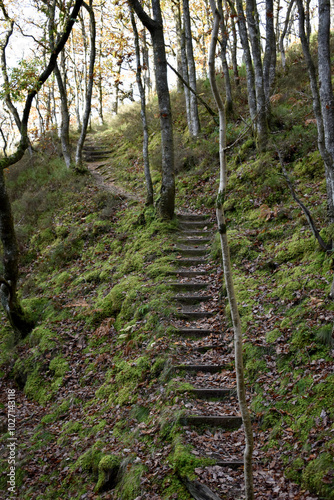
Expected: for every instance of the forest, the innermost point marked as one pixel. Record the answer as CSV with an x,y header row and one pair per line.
x,y
166,249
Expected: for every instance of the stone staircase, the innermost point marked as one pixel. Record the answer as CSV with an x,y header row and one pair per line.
x,y
191,283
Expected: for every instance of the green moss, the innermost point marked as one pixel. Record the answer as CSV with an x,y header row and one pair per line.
x,y
314,476
107,472
130,486
89,461
184,462
273,335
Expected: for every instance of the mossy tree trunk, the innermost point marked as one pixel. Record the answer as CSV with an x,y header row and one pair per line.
x,y
227,267
167,194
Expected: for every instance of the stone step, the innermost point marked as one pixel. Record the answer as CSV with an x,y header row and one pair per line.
x,y
191,261
192,217
190,286
194,314
193,241
195,232
231,464
226,422
210,394
192,252
186,273
96,152
206,348
201,368
195,224
192,299
195,332
93,158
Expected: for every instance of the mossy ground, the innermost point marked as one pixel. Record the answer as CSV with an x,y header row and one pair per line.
x,y
94,371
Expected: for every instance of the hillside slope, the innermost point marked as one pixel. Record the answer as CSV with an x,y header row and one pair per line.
x,y
92,382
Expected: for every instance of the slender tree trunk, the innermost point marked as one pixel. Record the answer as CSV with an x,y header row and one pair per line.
x,y
185,76
269,61
76,87
167,194
261,107
61,82
148,179
178,28
223,47
227,266
195,123
285,28
326,156
234,48
146,64
248,58
88,101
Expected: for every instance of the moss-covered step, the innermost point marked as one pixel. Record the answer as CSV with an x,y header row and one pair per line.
x,y
185,232
200,368
189,287
195,332
189,240
187,273
227,422
191,261
193,217
191,299
194,314
190,251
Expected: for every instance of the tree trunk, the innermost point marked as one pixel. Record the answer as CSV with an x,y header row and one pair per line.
x,y
223,46
185,74
326,156
20,322
285,28
178,29
88,101
227,266
167,194
261,105
195,127
148,179
76,87
234,48
248,58
269,61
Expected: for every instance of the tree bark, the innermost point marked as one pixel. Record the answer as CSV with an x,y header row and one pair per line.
x,y
148,179
195,126
223,47
261,105
61,82
248,58
325,154
269,60
167,194
88,100
285,29
221,221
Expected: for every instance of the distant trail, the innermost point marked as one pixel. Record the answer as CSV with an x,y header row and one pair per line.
x,y
98,163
